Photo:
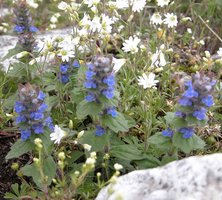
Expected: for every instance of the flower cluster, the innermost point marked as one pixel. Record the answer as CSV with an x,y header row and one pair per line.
x,y
31,109
66,69
23,26
100,82
193,104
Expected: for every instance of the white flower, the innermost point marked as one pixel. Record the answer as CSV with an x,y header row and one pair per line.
x,y
158,59
147,81
87,147
122,4
32,4
85,22
65,55
118,63
219,52
189,30
131,45
163,3
62,5
170,20
156,19
95,24
91,3
57,135
118,166
106,24
138,5
90,161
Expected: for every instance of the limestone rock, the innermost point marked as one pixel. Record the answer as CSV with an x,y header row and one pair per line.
x,y
9,41
193,178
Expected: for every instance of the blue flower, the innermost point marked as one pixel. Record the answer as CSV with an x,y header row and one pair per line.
x,y
41,96
42,107
19,107
19,29
64,68
190,93
90,97
90,84
89,74
48,122
180,114
111,111
90,66
25,134
187,132
168,132
109,80
99,131
208,100
76,64
38,128
64,78
185,102
20,119
37,115
200,114
33,29
108,93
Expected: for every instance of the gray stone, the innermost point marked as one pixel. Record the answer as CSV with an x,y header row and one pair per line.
x,y
193,178
9,41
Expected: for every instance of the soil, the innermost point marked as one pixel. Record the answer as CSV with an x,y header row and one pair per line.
x,y
7,175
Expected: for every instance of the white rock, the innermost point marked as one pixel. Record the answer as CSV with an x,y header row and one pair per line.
x,y
8,42
193,178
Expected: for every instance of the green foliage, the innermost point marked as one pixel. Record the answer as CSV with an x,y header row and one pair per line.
x,y
187,145
20,148
49,171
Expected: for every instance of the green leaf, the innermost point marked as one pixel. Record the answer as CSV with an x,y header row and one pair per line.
x,y
194,121
179,122
9,195
127,152
88,108
49,170
18,70
187,145
77,95
19,148
149,162
11,52
160,141
118,123
97,142
169,117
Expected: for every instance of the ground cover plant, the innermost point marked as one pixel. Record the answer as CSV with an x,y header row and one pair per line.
x,y
136,85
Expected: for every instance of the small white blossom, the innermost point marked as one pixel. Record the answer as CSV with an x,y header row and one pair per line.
x,y
122,4
147,81
62,5
189,30
90,161
57,135
138,5
219,52
87,147
158,59
163,3
65,55
131,45
32,3
156,19
118,63
170,20
95,24
91,3
118,166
